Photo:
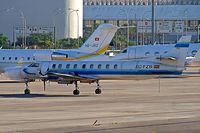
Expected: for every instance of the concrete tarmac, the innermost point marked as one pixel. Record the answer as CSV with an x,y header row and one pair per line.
x,y
123,107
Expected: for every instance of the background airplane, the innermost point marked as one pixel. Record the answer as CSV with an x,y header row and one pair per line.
x,y
96,44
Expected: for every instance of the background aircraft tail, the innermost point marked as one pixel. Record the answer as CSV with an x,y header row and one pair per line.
x,y
185,39
100,39
175,57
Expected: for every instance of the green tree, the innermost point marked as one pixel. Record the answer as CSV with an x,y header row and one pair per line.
x,y
43,41
3,41
70,43
120,39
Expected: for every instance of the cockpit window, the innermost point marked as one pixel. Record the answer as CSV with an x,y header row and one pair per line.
x,y
34,65
124,51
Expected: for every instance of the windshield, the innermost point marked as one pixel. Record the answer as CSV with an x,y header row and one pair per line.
x,y
34,65
124,51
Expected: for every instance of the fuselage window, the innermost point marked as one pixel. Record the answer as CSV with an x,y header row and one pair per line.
x,y
15,58
3,58
67,56
156,53
99,66
91,66
68,66
28,58
34,65
83,66
9,58
75,66
115,66
60,66
54,66
147,54
107,66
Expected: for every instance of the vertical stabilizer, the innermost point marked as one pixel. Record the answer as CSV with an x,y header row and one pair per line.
x,y
100,39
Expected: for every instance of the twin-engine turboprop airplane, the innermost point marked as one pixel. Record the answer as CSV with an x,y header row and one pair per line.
x,y
96,44
170,63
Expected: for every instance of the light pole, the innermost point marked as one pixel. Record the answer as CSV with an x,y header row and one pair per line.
x,y
76,11
186,20
127,19
198,29
136,21
143,25
54,14
153,22
23,29
23,19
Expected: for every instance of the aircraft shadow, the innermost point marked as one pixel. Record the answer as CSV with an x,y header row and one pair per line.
x,y
36,96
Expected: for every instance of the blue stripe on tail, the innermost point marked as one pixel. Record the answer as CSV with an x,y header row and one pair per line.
x,y
182,45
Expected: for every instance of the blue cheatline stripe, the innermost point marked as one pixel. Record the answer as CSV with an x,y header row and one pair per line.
x,y
58,53
182,45
96,72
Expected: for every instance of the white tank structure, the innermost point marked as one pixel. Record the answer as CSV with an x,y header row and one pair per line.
x,y
73,18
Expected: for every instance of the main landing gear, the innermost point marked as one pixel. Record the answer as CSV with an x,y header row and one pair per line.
x,y
76,91
27,90
98,90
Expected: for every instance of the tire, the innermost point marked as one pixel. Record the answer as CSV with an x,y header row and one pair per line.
x,y
98,91
76,92
27,91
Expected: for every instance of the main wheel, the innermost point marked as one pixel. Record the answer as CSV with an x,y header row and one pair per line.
x,y
76,92
98,91
27,91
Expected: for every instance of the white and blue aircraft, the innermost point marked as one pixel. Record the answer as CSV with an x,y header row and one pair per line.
x,y
96,44
170,63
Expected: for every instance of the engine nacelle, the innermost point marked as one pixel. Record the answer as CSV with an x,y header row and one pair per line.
x,y
19,73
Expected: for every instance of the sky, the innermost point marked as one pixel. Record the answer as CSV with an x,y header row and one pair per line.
x,y
36,12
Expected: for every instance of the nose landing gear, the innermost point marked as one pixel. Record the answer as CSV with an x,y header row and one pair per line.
x,y
27,90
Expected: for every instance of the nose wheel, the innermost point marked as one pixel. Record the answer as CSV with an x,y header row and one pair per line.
x,y
27,90
98,90
76,92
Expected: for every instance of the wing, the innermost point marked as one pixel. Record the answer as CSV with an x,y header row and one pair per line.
x,y
74,77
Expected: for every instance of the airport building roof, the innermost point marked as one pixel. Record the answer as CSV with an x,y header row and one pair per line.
x,y
162,12
141,2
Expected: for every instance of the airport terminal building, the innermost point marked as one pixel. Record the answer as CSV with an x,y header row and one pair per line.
x,y
173,17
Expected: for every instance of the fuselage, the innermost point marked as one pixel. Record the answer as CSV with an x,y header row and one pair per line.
x,y
107,70
146,51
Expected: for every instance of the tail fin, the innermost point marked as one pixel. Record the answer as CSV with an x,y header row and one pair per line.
x,y
99,41
176,57
185,39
